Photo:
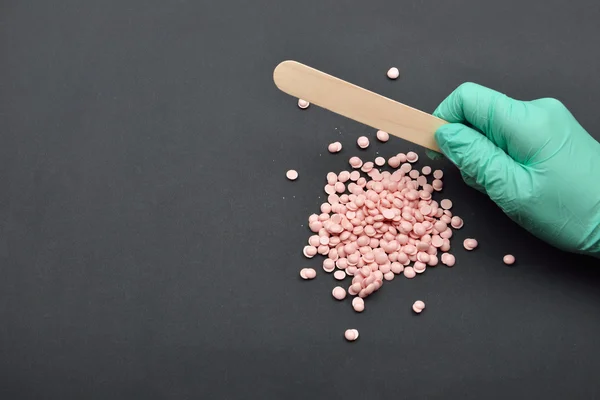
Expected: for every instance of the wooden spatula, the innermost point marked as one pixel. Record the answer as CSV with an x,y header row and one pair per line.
x,y
359,104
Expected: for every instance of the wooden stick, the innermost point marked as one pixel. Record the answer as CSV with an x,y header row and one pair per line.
x,y
359,104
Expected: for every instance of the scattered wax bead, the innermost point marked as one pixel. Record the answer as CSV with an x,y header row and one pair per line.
x,y
354,176
358,304
423,257
393,73
397,268
447,234
339,293
309,251
354,289
438,174
389,276
381,258
409,272
308,273
388,214
383,136
333,198
328,265
412,157
326,208
433,261
303,104
419,267
456,222
470,244
394,162
334,147
292,175
446,204
446,245
426,170
418,306
314,240
344,176
351,335
380,161
353,259
331,178
355,162
339,275
448,259
367,167
363,142
509,259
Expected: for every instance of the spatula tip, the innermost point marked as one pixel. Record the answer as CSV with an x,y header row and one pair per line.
x,y
280,68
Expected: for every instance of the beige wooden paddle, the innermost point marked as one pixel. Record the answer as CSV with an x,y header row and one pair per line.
x,y
359,104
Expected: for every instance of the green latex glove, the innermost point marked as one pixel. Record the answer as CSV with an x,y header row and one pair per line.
x,y
532,158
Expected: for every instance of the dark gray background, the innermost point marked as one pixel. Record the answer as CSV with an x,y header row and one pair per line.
x,y
150,243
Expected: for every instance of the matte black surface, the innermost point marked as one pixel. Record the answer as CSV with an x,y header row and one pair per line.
x,y
150,243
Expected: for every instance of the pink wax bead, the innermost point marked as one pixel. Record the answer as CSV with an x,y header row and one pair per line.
x,y
397,268
509,259
433,260
292,175
412,157
328,265
409,272
334,147
339,293
308,273
456,222
303,104
339,275
355,162
446,204
419,267
394,162
367,167
383,136
418,306
358,304
470,244
351,335
448,259
363,142
309,251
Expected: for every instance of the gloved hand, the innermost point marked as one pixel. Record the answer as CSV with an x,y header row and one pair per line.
x,y
532,158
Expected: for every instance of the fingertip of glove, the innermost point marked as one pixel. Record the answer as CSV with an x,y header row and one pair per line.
x,y
434,155
445,133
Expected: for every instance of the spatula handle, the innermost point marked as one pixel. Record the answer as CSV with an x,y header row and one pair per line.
x,y
359,104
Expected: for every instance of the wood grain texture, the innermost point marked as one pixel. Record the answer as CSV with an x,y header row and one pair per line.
x,y
359,104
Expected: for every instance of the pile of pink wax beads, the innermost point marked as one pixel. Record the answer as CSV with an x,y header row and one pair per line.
x,y
376,227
